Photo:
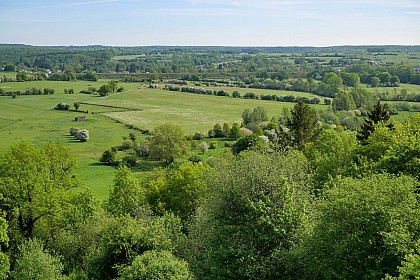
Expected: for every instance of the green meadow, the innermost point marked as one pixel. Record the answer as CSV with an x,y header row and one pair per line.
x,y
32,118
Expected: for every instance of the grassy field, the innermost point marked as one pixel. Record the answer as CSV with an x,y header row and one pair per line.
x,y
196,113
409,87
32,118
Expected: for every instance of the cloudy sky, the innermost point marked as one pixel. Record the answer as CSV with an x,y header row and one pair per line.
x,y
210,22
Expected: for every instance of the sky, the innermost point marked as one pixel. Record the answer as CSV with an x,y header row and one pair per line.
x,y
210,22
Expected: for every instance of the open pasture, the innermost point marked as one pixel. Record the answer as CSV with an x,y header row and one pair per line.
x,y
196,113
33,118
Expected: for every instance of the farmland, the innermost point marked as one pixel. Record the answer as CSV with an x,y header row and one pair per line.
x,y
139,106
32,118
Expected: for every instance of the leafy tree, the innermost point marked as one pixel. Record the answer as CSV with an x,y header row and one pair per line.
x,y
333,82
256,213
379,113
226,129
394,80
415,79
22,77
76,105
395,150
113,85
204,147
127,196
364,229
124,238
384,77
302,123
4,259
331,155
410,267
179,190
258,115
167,142
156,265
235,131
362,98
375,81
343,102
33,263
350,79
33,186
218,130
104,90
252,141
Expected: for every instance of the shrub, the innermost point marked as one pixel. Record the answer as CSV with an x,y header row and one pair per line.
x,y
142,150
195,159
83,135
243,131
228,144
204,147
126,145
74,131
129,161
198,136
108,156
213,145
62,106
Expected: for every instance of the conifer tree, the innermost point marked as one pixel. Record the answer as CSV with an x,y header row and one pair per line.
x,y
379,113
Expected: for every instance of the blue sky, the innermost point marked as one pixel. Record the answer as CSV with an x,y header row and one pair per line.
x,y
210,22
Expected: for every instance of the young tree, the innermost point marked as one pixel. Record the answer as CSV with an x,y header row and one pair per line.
x,y
302,123
156,265
204,147
235,131
226,129
167,143
379,113
218,130
76,106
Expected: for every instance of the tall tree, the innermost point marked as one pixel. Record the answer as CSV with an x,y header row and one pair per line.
x,y
167,142
364,228
113,85
256,212
179,190
127,196
33,185
379,113
302,123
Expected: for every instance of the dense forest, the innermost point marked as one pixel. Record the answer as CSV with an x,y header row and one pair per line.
x,y
327,192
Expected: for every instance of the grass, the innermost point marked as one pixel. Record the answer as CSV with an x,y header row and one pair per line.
x,y
8,74
32,118
195,113
409,87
